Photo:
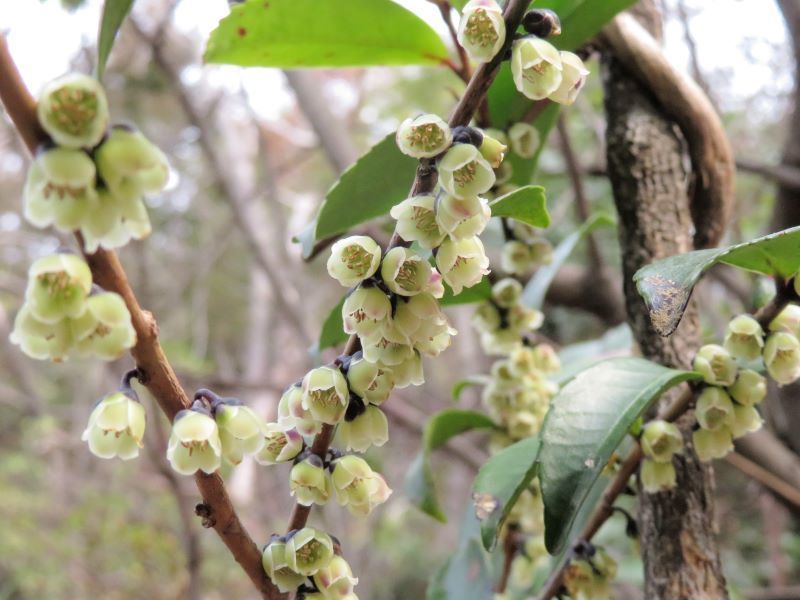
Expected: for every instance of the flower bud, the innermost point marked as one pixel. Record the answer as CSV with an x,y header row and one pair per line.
x,y
281,443
39,340
541,22
714,409
493,150
462,263
657,476
524,139
57,287
308,551
194,443
273,559
387,345
424,324
424,136
325,394
541,251
409,371
370,428
710,444
535,67
357,486
59,189
716,365
105,328
661,440
112,222
744,338
788,320
370,381
507,292
486,317
116,426
522,424
309,481
482,29
516,258
745,420
365,310
406,273
130,164
463,172
749,388
73,110
241,431
462,218
292,414
546,359
573,76
416,221
336,581
583,579
782,357
353,259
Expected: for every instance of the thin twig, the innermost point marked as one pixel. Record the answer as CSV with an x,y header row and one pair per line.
x,y
463,70
157,373
775,484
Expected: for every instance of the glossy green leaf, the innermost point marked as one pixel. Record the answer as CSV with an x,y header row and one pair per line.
x,y
368,189
667,284
465,576
323,33
581,20
587,420
419,485
114,13
332,333
526,204
500,482
617,341
536,289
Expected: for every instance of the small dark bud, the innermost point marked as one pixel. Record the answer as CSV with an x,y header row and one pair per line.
x,y
355,408
542,23
467,135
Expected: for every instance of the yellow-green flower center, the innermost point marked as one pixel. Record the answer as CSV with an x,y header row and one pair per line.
x,y
425,220
465,174
325,397
356,258
73,109
480,30
407,276
426,137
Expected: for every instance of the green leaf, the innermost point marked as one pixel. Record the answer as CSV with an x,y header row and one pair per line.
x,y
332,333
368,189
581,20
587,420
667,284
419,485
536,289
463,384
323,33
480,291
465,575
526,204
617,341
500,482
114,13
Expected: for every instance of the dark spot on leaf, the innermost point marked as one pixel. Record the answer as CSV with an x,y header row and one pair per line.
x,y
485,505
666,301
241,31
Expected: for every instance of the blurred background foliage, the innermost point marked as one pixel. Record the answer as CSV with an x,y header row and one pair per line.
x,y
239,311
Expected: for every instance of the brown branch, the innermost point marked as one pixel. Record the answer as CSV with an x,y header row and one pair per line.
x,y
157,373
463,70
511,546
424,182
774,484
684,101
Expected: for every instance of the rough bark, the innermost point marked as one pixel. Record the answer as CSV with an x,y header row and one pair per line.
x,y
648,169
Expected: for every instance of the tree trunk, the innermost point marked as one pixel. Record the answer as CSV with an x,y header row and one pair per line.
x,y
648,169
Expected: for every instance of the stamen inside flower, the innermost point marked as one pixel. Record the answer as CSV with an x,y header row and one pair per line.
x,y
480,29
73,109
465,174
426,137
356,258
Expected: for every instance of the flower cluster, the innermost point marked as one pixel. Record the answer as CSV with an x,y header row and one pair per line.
x,y
306,560
116,425
726,407
63,317
93,179
503,321
660,442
